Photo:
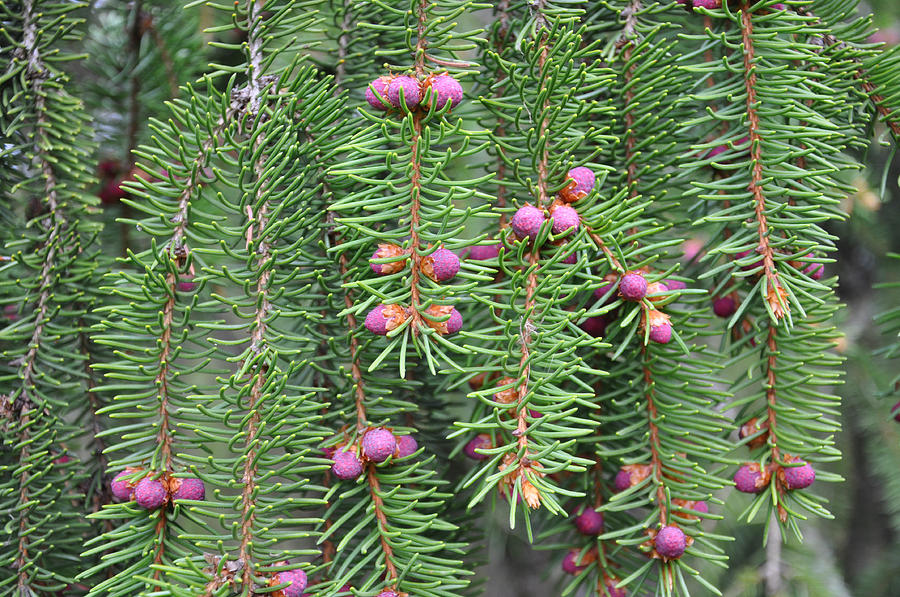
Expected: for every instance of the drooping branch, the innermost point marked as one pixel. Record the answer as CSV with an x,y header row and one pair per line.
x,y
654,441
37,73
771,350
415,182
532,282
175,248
878,101
258,222
775,294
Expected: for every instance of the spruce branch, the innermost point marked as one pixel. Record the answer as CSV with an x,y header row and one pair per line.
x,y
653,441
257,241
772,290
362,423
877,100
772,402
37,73
415,185
26,407
520,475
270,182
48,274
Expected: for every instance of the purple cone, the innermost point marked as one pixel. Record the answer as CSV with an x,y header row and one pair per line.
x,y
670,542
150,493
633,286
565,219
724,306
799,477
661,334
296,578
445,88
380,84
454,324
412,92
346,465
480,441
445,264
623,480
186,284
599,293
584,179
120,487
378,444
589,522
406,446
484,252
813,269
190,488
595,326
376,322
527,221
747,479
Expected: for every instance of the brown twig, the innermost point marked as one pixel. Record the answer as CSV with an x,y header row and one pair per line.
x,y
531,285
775,292
421,40
878,101
771,415
260,326
603,247
655,460
415,256
361,425
378,505
771,401
355,369
362,421
175,246
415,188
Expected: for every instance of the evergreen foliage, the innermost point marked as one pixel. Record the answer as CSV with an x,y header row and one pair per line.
x,y
265,300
